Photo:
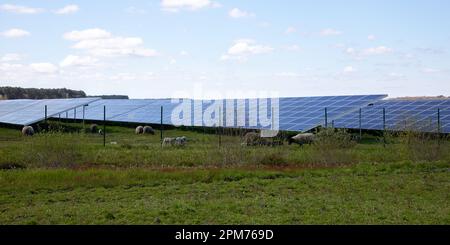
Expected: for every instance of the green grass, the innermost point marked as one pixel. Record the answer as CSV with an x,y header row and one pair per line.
x,y
125,149
73,179
363,194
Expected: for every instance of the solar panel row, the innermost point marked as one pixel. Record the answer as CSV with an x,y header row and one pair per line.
x,y
26,112
294,114
421,115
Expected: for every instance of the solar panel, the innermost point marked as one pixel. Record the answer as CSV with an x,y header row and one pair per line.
x,y
294,114
420,115
26,112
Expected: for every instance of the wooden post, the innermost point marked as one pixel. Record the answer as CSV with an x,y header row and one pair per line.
x,y
326,117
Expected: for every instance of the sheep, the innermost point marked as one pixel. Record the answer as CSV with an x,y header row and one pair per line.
x,y
139,130
93,128
148,130
100,132
301,139
178,141
27,131
168,141
252,139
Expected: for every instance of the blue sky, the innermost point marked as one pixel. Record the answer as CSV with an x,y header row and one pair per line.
x,y
163,48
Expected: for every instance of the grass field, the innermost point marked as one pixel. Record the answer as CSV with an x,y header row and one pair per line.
x,y
72,179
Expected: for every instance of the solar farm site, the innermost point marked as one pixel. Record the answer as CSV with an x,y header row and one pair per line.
x,y
288,160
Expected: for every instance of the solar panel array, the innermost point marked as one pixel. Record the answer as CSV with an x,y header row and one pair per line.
x,y
420,115
26,112
294,114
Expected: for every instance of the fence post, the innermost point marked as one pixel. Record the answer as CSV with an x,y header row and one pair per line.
x,y
104,125
439,126
360,123
45,114
439,121
384,127
161,125
84,108
326,117
220,132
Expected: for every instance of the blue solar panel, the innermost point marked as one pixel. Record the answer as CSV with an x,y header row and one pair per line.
x,y
420,115
26,112
295,114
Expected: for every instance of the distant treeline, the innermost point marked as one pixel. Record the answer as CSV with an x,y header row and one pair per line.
x,y
39,93
116,97
11,93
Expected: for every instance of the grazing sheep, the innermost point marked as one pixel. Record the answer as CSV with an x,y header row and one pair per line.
x,y
178,141
93,128
252,139
148,130
27,131
168,141
301,139
139,130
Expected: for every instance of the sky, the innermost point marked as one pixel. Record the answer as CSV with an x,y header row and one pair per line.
x,y
208,48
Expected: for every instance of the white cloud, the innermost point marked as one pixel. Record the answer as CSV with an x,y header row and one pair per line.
x,y
243,48
6,67
69,9
293,48
349,69
360,53
134,10
17,9
74,60
98,42
288,74
330,32
237,13
350,51
184,53
47,68
371,37
15,33
10,57
430,70
396,75
177,5
376,50
290,30
94,33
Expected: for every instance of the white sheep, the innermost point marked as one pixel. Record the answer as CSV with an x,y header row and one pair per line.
x,y
178,141
27,131
148,130
301,139
139,130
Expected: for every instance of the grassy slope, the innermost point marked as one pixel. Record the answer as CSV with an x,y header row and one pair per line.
x,y
363,194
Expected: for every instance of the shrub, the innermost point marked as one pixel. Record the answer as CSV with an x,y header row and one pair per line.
x,y
330,138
